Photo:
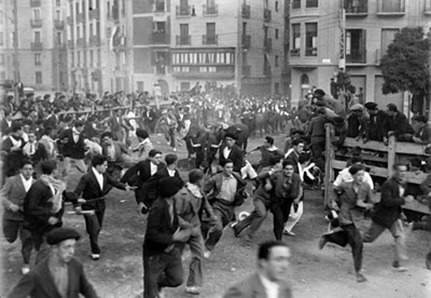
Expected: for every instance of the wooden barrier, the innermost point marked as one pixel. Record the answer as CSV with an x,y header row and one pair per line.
x,y
392,153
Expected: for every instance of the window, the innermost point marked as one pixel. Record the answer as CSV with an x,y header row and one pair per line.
x,y
98,29
77,8
72,59
78,64
2,76
1,16
311,39
276,33
91,58
83,6
211,36
184,34
78,31
296,4
36,14
70,14
392,6
38,76
388,35
159,27
59,38
1,59
58,15
356,46
276,60
276,5
160,5
91,29
57,2
36,36
311,3
265,4
296,35
37,59
1,39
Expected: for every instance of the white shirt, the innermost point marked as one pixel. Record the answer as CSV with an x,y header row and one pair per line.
x,y
153,168
271,288
344,176
75,135
171,172
27,183
226,152
99,177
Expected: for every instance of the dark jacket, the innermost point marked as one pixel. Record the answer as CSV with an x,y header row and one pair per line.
x,y
160,231
12,160
277,181
236,155
377,126
253,287
388,210
149,188
143,172
399,124
39,283
120,149
70,148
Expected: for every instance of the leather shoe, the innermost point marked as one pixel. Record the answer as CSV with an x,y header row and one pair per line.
x,y
322,242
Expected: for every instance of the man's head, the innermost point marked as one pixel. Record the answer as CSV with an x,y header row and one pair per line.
x,y
171,159
371,107
48,167
269,141
357,171
230,139
62,241
357,160
107,138
26,169
196,176
391,109
31,136
288,167
298,145
399,172
100,163
227,166
167,187
49,131
79,126
141,134
273,260
17,129
420,121
155,156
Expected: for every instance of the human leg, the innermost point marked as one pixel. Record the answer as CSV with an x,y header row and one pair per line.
x,y
26,244
294,217
173,270
373,232
196,243
10,229
355,241
260,212
216,230
397,232
277,212
153,268
93,228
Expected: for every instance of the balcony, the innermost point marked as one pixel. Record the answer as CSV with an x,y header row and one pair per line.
x,y
246,11
160,69
295,52
80,42
210,10
195,72
159,38
115,14
70,45
159,7
183,40
35,3
356,8
267,71
267,15
94,14
37,46
183,11
357,58
267,44
246,41
246,70
210,39
36,23
310,51
79,17
94,40
59,24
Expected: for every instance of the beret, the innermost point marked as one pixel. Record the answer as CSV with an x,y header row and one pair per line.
x,y
169,186
231,135
60,234
357,107
370,105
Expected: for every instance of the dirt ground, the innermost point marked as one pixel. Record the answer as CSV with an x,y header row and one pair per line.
x,y
314,273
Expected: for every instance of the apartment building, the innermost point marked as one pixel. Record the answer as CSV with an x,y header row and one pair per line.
x,y
41,50
218,41
97,41
370,26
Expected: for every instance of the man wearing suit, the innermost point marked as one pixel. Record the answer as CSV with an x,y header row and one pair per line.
x,y
230,150
12,146
388,214
12,196
117,126
6,122
271,277
94,186
113,150
398,124
161,254
140,173
60,274
294,153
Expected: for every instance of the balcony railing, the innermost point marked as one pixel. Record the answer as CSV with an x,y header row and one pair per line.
x,y
36,23
59,24
210,10
295,52
94,14
267,44
183,11
119,43
246,70
356,8
160,69
210,39
94,40
79,17
37,46
246,11
35,3
183,39
267,15
310,51
357,58
159,38
80,42
246,41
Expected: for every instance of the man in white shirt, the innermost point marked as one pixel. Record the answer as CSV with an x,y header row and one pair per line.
x,y
31,146
344,175
12,197
270,280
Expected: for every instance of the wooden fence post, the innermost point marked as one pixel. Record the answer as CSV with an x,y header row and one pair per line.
x,y
391,154
329,173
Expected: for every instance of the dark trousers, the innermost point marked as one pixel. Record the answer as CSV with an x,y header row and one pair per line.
x,y
93,224
11,229
173,141
254,220
40,245
162,270
317,148
225,214
349,235
280,209
196,243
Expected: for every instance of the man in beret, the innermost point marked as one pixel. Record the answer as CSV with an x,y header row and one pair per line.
x,y
161,252
58,275
357,121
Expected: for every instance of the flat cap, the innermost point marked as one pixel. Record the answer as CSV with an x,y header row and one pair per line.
x,y
357,107
370,105
60,234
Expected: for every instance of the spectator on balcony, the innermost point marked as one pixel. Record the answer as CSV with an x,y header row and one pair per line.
x,y
422,130
398,124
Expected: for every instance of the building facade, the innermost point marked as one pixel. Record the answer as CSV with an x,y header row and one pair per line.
x,y
40,44
369,27
217,41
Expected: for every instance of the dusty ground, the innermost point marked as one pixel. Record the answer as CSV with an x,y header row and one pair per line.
x,y
314,273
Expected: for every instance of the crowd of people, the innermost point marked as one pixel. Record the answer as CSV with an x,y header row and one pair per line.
x,y
42,144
